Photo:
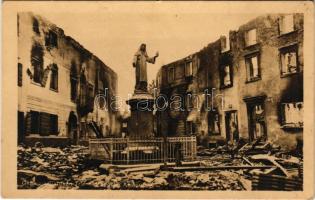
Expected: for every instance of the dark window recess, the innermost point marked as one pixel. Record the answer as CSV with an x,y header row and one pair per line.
x,y
226,78
51,39
171,74
74,81
37,61
213,123
90,96
289,60
54,77
102,100
20,72
36,26
253,67
83,91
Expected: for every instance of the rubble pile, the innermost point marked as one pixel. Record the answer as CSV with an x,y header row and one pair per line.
x,y
39,165
223,180
71,168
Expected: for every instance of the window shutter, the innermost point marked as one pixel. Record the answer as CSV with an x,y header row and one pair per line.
x,y
28,122
44,124
54,124
35,122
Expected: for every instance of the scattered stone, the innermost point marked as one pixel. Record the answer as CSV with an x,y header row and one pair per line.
x,y
105,168
136,176
148,180
47,186
160,181
203,178
120,173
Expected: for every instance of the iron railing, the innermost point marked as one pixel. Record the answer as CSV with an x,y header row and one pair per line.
x,y
129,151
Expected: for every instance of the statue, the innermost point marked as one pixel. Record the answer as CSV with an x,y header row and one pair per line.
x,y
140,63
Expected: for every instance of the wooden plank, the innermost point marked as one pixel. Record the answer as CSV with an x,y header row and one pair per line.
x,y
179,169
139,169
274,182
246,160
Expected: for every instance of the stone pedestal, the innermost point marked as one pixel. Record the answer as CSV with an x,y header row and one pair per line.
x,y
141,123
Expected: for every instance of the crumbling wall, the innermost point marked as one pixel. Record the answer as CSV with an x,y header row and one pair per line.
x,y
272,84
66,53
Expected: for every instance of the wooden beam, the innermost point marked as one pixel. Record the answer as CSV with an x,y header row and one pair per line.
x,y
179,169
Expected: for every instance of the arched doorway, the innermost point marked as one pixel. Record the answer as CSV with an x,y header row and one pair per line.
x,y
73,127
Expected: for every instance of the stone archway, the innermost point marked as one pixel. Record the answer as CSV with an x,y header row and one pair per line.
x,y
73,127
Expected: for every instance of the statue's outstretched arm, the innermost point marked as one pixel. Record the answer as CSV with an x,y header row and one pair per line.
x,y
152,59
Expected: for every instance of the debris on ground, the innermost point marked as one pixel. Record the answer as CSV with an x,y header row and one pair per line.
x,y
250,165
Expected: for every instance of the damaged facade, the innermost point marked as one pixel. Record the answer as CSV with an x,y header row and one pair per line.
x,y
246,85
58,80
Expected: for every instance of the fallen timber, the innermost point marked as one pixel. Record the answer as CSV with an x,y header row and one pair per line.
x,y
213,168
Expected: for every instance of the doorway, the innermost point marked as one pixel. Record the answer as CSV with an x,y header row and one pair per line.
x,y
72,127
256,117
231,126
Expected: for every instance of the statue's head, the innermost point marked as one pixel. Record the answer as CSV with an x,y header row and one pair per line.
x,y
143,47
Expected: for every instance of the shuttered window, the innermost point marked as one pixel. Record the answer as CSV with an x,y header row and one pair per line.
x,y
41,123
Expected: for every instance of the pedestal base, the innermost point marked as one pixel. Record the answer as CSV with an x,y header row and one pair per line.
x,y
141,123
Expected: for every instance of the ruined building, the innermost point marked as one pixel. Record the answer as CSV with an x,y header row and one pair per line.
x,y
58,80
245,85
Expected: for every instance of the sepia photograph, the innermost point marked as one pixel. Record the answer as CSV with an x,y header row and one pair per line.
x,y
157,99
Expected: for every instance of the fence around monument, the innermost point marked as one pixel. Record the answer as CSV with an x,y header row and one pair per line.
x,y
131,151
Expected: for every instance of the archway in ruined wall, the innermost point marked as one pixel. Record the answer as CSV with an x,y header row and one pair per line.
x,y
73,127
